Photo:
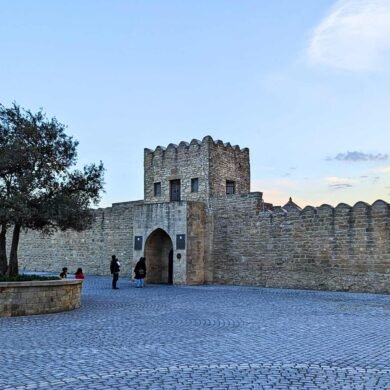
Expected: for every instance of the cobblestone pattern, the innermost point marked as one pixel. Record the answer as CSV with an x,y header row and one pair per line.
x,y
343,248
201,337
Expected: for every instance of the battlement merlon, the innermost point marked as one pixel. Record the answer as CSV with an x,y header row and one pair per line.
x,y
206,141
342,210
212,163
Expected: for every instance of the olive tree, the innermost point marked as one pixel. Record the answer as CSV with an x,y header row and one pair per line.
x,y
40,188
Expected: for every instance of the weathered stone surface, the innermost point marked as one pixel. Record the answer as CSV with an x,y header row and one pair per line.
x,y
38,297
230,239
173,219
346,248
111,233
212,162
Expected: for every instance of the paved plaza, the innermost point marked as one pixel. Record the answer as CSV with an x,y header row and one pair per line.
x,y
202,337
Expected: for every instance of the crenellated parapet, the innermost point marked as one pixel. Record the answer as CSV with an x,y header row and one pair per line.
x,y
183,146
336,248
342,210
162,155
211,163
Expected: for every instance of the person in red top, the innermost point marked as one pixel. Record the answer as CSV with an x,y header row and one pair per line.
x,y
79,274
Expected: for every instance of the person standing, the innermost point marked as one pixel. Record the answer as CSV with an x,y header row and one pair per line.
x,y
140,272
115,269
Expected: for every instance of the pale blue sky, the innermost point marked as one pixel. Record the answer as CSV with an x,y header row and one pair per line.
x,y
304,84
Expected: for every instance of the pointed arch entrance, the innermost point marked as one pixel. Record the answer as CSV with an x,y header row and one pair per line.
x,y
159,257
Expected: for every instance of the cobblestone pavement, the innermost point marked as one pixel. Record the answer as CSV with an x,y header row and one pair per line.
x,y
203,337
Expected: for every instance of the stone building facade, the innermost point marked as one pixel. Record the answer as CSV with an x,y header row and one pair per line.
x,y
199,223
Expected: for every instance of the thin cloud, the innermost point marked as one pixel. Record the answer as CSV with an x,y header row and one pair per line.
x,y
339,186
359,156
355,36
335,181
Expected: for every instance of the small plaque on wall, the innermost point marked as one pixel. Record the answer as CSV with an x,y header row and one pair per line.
x,y
137,243
180,241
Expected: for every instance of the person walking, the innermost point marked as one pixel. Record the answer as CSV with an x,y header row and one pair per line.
x,y
115,269
140,272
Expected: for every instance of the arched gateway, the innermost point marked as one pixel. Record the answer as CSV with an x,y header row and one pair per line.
x,y
159,257
171,237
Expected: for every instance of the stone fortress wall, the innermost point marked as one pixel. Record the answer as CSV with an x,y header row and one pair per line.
x,y
231,239
343,248
111,233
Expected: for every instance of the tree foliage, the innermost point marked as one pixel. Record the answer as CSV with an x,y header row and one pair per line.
x,y
39,187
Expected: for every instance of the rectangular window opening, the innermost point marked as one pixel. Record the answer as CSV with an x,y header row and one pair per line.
x,y
175,190
194,185
157,189
230,187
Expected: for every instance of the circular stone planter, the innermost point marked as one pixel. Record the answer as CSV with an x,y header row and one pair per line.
x,y
39,297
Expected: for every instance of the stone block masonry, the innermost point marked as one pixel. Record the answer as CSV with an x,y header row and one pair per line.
x,y
159,225
39,297
111,233
231,236
343,248
211,162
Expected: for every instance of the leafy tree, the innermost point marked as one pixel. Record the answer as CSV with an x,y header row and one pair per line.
x,y
39,190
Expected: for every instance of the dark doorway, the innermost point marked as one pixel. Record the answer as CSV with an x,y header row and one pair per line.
x,y
175,190
158,249
170,267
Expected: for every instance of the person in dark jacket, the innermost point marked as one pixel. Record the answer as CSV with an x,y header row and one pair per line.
x,y
140,272
64,273
115,269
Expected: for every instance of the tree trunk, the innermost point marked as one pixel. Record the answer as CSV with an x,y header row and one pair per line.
x,y
3,250
13,257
